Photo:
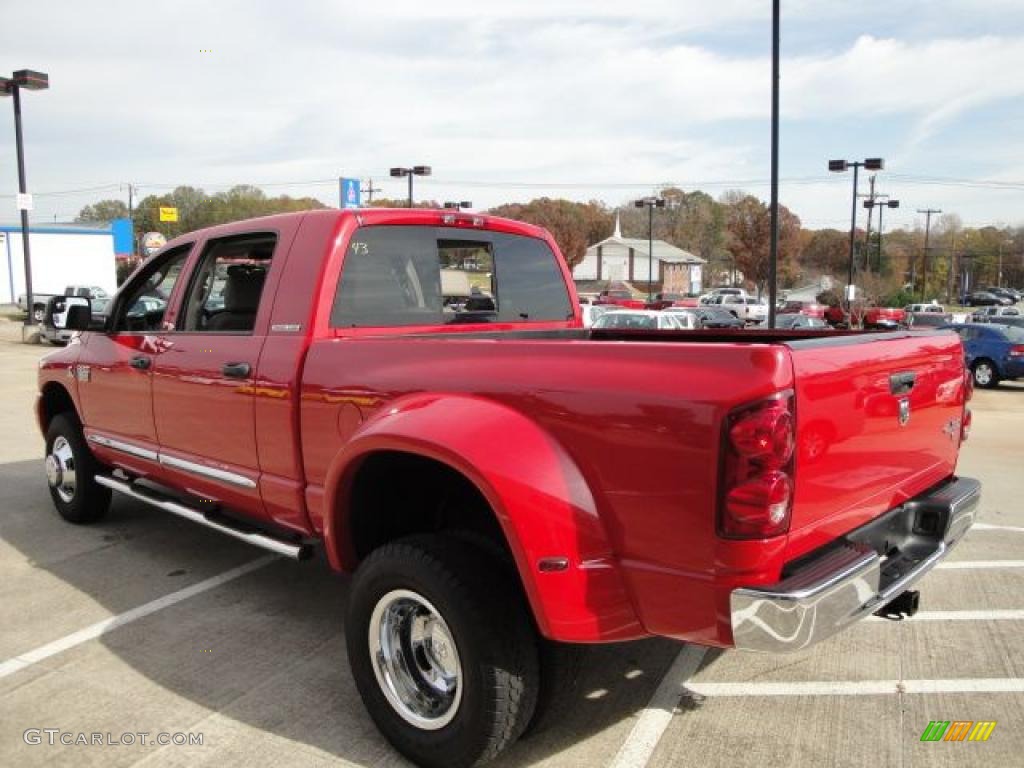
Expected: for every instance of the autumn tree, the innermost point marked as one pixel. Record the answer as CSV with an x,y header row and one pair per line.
x,y
748,228
825,252
575,226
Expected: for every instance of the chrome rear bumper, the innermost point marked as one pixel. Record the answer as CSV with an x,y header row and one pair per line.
x,y
866,570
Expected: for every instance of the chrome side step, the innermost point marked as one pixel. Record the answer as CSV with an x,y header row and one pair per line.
x,y
279,546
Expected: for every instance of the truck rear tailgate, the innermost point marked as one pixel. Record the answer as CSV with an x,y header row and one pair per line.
x,y
878,421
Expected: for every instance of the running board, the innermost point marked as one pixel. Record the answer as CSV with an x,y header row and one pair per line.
x,y
279,546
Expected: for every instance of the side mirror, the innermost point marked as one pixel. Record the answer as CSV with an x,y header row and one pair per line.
x,y
79,317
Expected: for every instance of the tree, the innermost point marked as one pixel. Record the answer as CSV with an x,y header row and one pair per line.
x,y
825,252
575,226
102,212
748,224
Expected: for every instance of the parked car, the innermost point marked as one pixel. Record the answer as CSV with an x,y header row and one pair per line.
x,y
53,326
620,298
794,321
983,299
986,314
591,312
992,352
717,317
933,309
53,272
1005,293
666,300
685,316
714,293
927,319
476,482
636,319
883,318
810,308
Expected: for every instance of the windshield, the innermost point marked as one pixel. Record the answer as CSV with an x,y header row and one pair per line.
x,y
1012,333
626,320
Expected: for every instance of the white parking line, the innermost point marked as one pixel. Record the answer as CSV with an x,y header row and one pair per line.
x,y
990,527
996,615
965,565
638,747
100,628
860,687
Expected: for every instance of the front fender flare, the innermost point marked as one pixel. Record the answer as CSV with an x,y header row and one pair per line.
x,y
540,498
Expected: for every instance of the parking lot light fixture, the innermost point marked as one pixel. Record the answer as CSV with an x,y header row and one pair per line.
x,y
29,80
416,170
650,203
841,166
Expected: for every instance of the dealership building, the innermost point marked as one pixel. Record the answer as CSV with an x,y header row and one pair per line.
x,y
62,255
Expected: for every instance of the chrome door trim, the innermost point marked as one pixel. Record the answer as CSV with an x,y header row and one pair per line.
x,y
119,445
232,478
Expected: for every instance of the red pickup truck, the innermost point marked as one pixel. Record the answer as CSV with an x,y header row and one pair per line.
x,y
308,382
620,298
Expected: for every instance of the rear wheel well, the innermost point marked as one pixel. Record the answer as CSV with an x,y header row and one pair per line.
x,y
396,494
56,400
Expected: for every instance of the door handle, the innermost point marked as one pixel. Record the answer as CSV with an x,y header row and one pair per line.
x,y
140,362
236,370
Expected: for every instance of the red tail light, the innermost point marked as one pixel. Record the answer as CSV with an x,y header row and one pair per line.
x,y
757,470
1017,350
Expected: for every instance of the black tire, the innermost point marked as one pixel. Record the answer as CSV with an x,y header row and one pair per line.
x,y
985,374
561,668
494,640
88,501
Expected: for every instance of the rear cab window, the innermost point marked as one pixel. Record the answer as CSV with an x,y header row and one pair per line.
x,y
417,275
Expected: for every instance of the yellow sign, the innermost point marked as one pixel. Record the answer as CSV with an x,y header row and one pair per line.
x,y
168,214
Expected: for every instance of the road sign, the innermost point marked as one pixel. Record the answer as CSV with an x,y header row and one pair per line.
x,y
168,214
24,201
350,193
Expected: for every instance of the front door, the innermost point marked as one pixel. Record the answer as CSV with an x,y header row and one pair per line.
x,y
203,382
115,368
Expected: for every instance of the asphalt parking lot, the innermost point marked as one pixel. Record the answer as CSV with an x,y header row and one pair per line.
x,y
148,624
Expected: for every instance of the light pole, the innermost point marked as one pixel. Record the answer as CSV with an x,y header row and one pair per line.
x,y
924,265
999,281
31,81
416,170
874,202
840,166
650,203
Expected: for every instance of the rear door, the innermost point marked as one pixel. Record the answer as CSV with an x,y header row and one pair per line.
x,y
203,382
878,421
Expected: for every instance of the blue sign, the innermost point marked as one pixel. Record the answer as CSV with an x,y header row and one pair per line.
x,y
350,193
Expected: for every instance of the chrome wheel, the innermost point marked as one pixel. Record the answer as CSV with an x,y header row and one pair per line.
x,y
983,374
60,469
415,659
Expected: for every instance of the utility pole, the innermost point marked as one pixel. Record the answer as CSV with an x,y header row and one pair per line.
x,y
369,190
949,277
924,266
870,205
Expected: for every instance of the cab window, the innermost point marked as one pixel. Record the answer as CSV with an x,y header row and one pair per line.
x,y
227,285
144,303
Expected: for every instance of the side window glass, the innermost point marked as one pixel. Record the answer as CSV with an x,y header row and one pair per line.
x,y
397,275
225,291
145,302
530,283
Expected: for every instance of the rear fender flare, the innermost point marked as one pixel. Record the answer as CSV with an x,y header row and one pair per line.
x,y
539,496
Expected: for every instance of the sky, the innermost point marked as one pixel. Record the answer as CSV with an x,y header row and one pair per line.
x,y
508,101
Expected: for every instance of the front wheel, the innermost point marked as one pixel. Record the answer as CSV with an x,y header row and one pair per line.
x,y
71,473
985,374
442,650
